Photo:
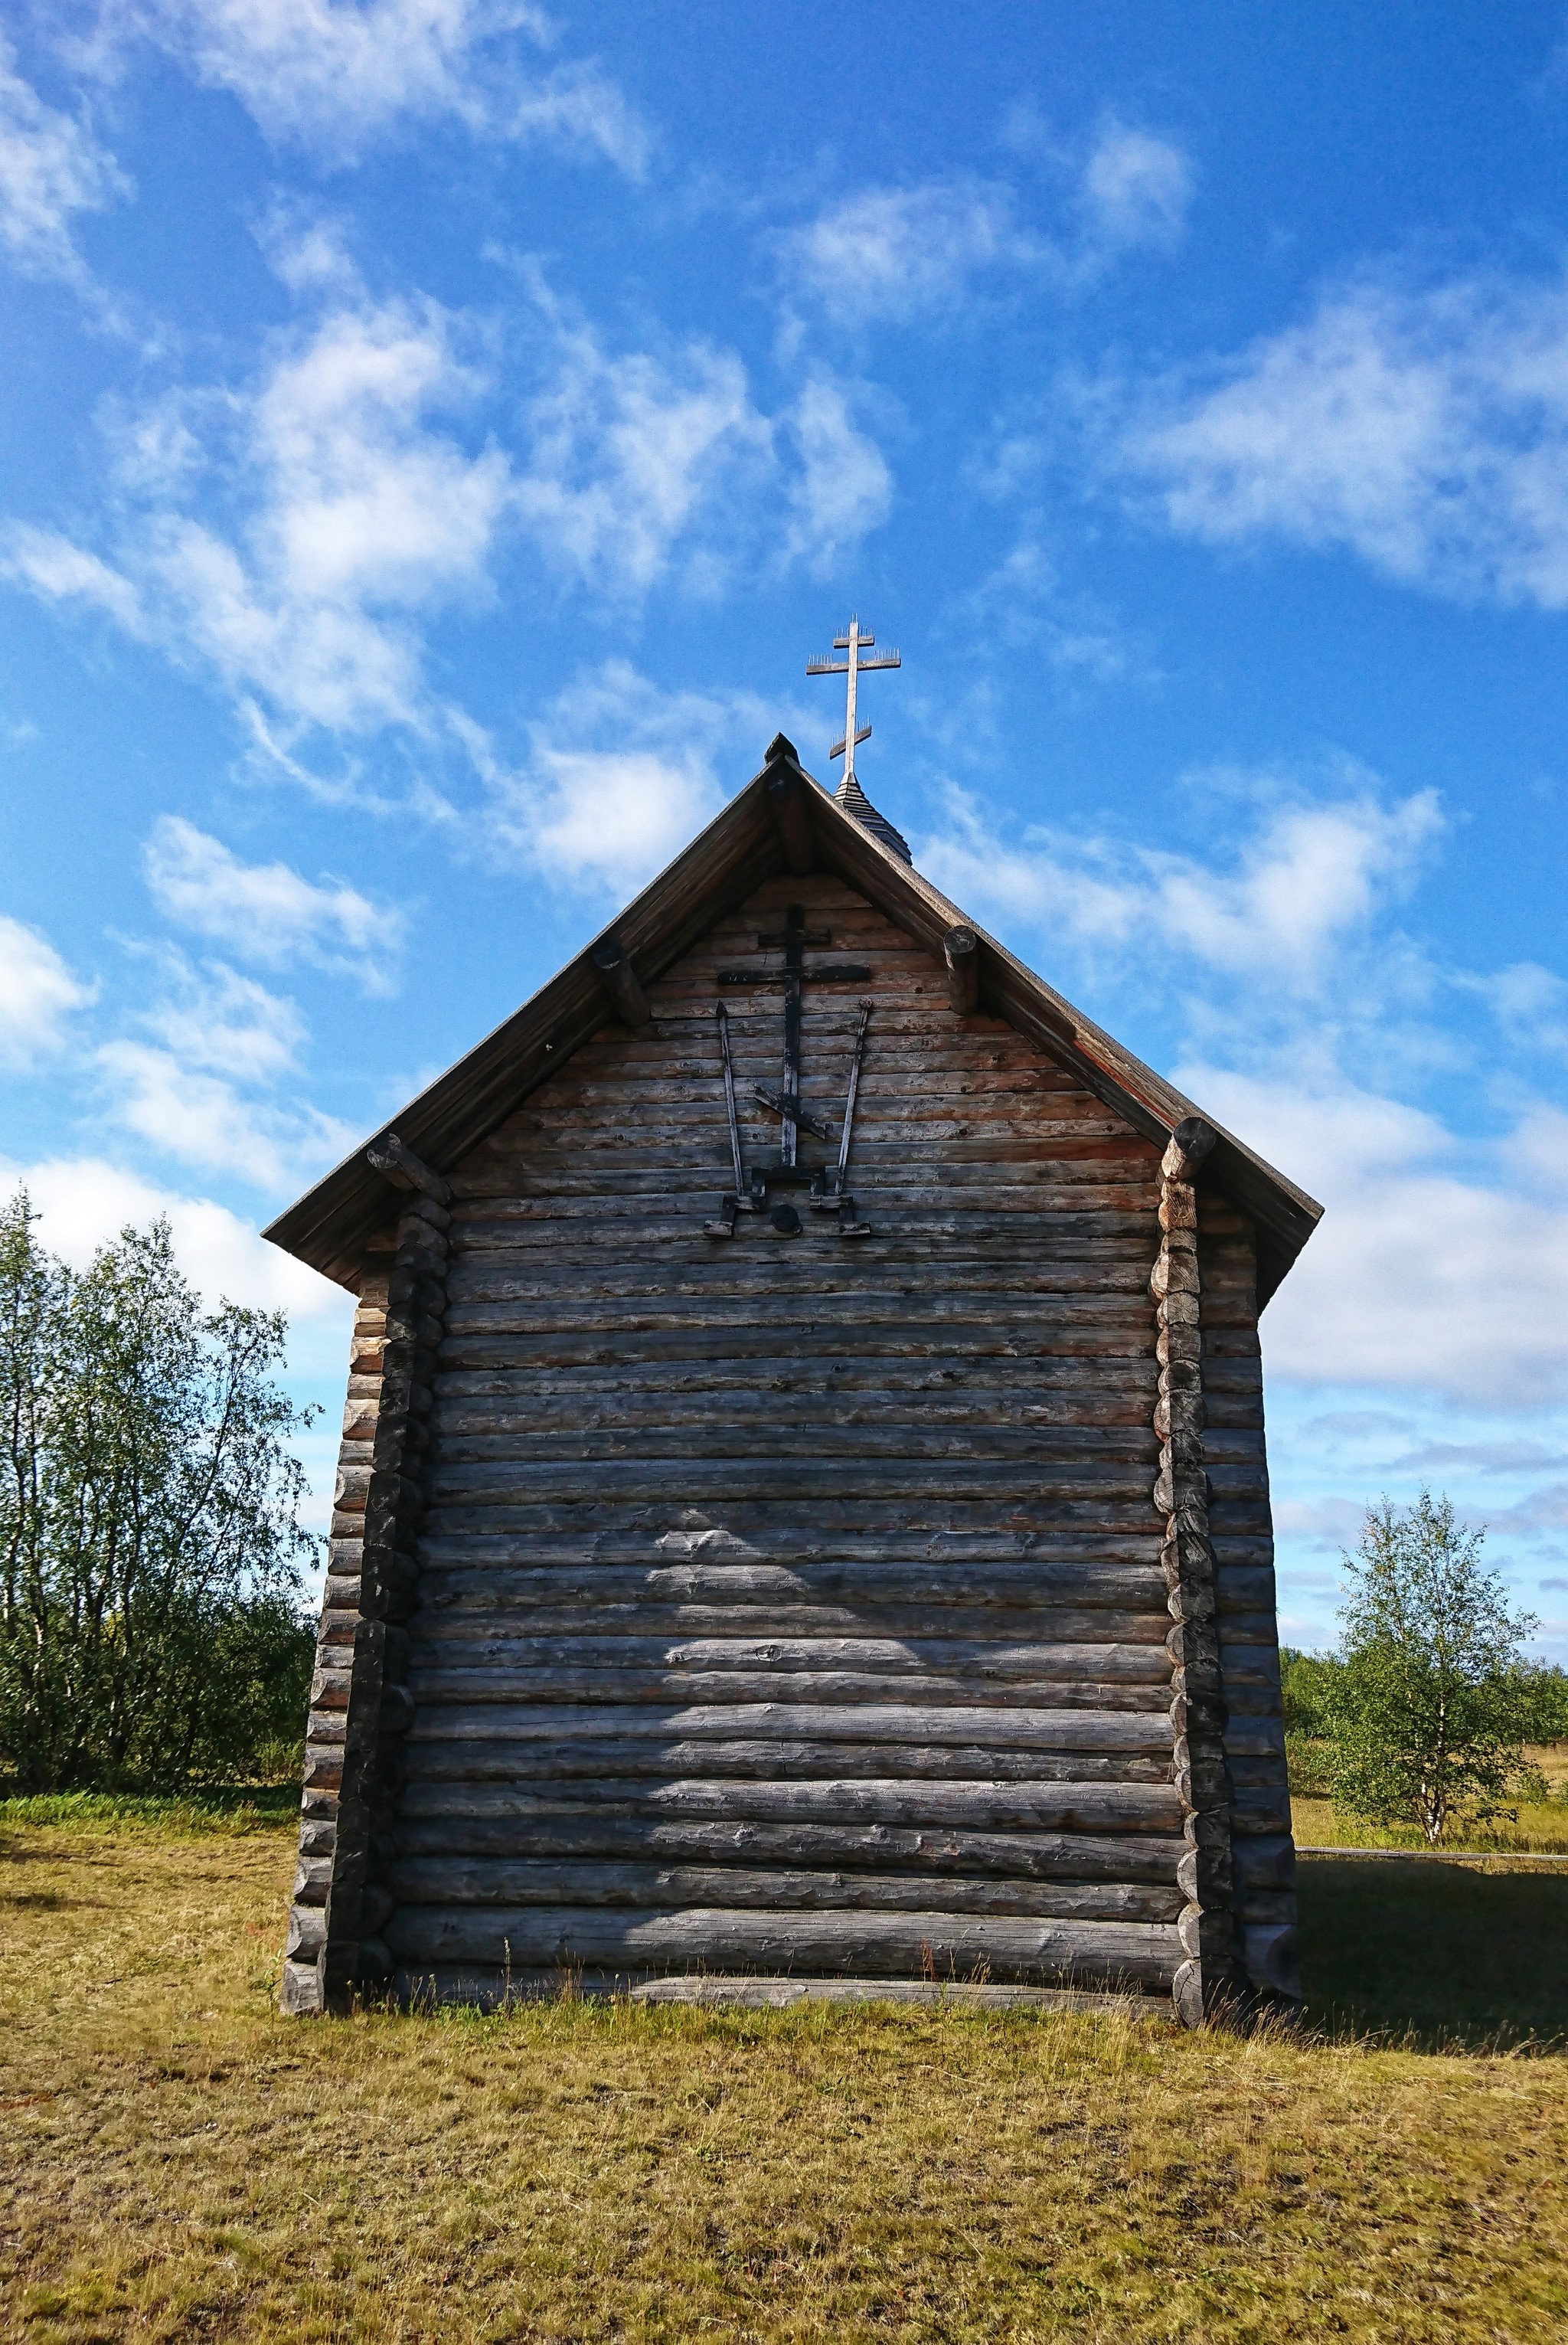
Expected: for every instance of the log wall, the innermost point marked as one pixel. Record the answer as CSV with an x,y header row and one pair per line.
x,y
796,1605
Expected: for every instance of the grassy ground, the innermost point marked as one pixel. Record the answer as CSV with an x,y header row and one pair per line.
x,y
1539,1828
177,2162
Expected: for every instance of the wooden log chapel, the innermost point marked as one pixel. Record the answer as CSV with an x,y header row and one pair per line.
x,y
802,1521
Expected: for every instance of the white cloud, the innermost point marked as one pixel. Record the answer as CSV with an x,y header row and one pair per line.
x,y
606,814
844,488
333,75
62,572
267,913
1425,1275
625,451
1135,189
893,254
203,1119
354,512
1426,433
298,533
37,994
51,169
1312,873
218,1020
85,1202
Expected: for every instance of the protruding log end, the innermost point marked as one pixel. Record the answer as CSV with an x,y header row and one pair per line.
x,y
961,949
612,967
1189,1144
397,1163
786,797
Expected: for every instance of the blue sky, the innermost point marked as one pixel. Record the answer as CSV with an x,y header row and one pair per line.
x,y
437,433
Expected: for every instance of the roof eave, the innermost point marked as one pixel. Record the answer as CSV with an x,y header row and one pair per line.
x,y
740,848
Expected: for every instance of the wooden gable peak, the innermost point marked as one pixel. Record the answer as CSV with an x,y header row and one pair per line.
x,y
783,820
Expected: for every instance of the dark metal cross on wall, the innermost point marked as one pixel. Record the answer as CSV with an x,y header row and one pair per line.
x,y
826,1182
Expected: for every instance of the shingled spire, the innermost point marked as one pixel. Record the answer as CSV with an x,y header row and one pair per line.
x,y
853,800
849,794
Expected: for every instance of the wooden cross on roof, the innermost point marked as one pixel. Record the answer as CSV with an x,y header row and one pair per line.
x,y
853,645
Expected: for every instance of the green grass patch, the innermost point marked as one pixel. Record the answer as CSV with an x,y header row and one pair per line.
x,y
236,1808
178,2161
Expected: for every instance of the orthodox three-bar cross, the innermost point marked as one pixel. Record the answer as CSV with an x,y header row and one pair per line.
x,y
826,1180
853,644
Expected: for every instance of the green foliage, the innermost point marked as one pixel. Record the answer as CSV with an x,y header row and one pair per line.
x,y
150,1631
1431,1701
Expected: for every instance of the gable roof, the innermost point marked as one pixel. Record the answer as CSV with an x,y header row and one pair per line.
x,y
782,821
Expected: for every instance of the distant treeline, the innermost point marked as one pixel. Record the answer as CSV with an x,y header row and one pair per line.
x,y
152,1633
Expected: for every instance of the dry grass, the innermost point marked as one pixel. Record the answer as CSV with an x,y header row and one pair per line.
x,y
177,2162
1538,1828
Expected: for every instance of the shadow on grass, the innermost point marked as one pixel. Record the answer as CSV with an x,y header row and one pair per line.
x,y
1444,1954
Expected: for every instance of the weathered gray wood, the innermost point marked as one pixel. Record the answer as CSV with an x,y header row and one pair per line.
x,y
1032,1807
398,1164
622,988
1009,1727
961,949
973,1661
996,1588
502,1881
1135,1953
471,1689
463,1824
788,805
474,1760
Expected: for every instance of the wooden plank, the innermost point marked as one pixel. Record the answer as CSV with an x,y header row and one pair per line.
x,y
1005,1727
931,1805
1127,1953
512,1882
474,1760
572,1684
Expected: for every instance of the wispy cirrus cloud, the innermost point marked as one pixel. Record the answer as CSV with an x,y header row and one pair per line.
x,y
1423,431
893,255
198,1079
40,992
334,75
1308,873
51,170
267,912
298,533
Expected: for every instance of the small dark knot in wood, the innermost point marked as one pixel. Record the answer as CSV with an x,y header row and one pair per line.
x,y
612,967
785,1221
961,949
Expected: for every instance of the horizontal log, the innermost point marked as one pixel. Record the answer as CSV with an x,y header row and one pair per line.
x,y
850,1687
474,1760
1064,1591
925,1805
1006,1726
976,1661
502,1881
458,1633
1131,1447
1115,1952
928,1520
798,1480
458,1825
1017,1278
867,1342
